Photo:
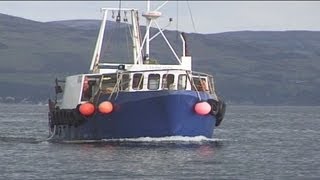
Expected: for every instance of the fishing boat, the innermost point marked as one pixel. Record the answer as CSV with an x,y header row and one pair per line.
x,y
143,98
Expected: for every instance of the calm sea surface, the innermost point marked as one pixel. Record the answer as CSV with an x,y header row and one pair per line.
x,y
253,142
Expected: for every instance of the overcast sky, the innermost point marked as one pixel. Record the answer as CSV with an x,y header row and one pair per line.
x,y
208,16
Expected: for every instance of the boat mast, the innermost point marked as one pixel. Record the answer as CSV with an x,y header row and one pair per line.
x,y
94,67
148,20
136,38
138,46
151,17
96,55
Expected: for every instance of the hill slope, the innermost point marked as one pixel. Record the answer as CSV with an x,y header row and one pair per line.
x,y
281,68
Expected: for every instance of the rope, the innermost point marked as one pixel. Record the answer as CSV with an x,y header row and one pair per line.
x,y
115,88
52,133
192,83
177,24
98,93
140,81
194,27
118,84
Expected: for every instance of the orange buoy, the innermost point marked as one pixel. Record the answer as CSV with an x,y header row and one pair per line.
x,y
202,108
105,107
86,109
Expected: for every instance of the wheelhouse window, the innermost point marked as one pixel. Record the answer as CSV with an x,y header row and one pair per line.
x,y
211,84
89,87
137,82
153,81
124,83
196,83
204,84
108,82
168,81
182,81
200,83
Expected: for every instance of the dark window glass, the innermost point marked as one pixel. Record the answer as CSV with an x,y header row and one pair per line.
x,y
153,81
168,81
137,82
182,81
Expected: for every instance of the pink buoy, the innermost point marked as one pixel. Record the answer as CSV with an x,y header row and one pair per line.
x,y
202,108
105,107
86,109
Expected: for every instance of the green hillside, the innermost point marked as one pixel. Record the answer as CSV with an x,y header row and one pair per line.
x,y
281,68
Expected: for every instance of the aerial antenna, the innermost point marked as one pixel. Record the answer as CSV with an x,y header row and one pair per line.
x,y
119,13
151,17
194,27
177,24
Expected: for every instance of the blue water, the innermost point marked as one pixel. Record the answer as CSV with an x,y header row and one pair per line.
x,y
253,142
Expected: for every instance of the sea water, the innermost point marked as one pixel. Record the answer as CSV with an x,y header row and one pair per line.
x,y
252,142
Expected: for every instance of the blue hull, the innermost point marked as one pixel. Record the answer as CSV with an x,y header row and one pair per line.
x,y
144,114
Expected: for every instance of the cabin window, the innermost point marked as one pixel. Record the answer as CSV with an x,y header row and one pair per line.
x,y
124,84
108,82
200,83
153,81
204,84
89,87
168,81
137,82
182,81
196,82
211,84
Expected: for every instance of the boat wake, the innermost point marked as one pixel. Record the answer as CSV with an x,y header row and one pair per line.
x,y
153,140
167,139
124,141
20,140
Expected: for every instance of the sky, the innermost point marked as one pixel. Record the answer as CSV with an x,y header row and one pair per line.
x,y
208,16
